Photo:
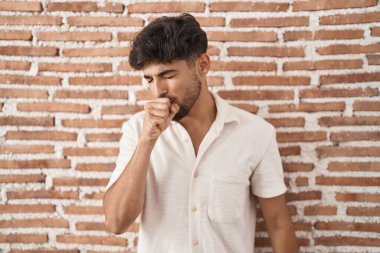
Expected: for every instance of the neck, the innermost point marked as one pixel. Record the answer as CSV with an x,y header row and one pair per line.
x,y
203,113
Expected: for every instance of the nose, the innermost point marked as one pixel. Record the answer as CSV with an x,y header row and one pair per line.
x,y
160,88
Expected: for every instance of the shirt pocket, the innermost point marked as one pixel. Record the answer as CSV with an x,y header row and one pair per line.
x,y
228,195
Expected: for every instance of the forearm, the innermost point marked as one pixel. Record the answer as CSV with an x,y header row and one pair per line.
x,y
124,200
283,239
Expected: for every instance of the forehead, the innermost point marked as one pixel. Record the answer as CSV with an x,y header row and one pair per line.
x,y
154,68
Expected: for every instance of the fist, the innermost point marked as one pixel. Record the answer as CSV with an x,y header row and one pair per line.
x,y
158,115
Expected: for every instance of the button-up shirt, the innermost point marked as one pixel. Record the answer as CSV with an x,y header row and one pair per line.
x,y
204,202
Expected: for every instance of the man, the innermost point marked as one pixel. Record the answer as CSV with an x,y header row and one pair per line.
x,y
190,163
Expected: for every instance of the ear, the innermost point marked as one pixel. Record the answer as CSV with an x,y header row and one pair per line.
x,y
203,64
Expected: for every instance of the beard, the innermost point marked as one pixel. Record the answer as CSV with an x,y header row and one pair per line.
x,y
190,97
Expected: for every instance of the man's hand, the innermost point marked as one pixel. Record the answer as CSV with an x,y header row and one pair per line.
x,y
158,114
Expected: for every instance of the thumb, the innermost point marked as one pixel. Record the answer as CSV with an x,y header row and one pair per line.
x,y
174,108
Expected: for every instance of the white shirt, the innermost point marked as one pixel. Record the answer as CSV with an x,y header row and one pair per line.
x,y
204,203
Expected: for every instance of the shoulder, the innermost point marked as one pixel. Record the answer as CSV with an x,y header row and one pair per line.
x,y
135,122
253,122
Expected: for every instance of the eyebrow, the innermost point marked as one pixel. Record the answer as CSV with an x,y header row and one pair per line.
x,y
168,71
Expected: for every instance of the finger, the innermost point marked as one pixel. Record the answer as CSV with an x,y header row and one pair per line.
x,y
159,112
156,121
174,108
158,105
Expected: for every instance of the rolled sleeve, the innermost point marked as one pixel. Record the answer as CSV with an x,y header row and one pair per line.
x,y
267,180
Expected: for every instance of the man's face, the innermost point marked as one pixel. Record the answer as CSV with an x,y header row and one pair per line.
x,y
176,81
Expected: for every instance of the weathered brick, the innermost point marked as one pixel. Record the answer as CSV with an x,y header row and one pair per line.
x,y
126,36
267,51
122,109
96,52
373,59
271,80
269,22
256,94
95,166
348,181
317,210
347,241
23,238
354,166
287,121
45,250
248,6
258,36
242,66
348,49
42,194
302,181
24,178
349,121
358,197
84,6
37,208
103,137
15,35
324,35
366,106
104,21
25,148
211,21
74,36
75,67
15,65
357,18
30,20
166,7
323,65
30,6
23,93
25,79
375,31
247,107
91,94
350,78
90,151
307,107
91,123
37,163
363,211
295,167
83,210
41,135
28,51
26,121
354,136
307,195
66,181
328,151
310,5
93,240
43,222
347,226
105,80
53,107
305,136
323,92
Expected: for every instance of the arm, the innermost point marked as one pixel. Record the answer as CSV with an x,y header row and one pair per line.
x,y
124,200
279,224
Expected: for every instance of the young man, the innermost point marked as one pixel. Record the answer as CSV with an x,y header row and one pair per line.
x,y
190,163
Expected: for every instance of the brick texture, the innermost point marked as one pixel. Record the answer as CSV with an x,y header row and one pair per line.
x,y
309,67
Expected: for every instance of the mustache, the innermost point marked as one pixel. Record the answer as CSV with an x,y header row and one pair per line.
x,y
172,99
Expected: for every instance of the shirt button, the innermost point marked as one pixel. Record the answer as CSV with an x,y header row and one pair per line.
x,y
195,242
196,174
194,209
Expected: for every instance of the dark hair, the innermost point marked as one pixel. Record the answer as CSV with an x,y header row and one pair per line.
x,y
167,39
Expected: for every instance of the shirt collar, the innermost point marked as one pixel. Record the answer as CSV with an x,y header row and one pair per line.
x,y
225,112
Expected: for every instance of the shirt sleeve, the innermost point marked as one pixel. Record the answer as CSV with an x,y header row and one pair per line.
x,y
127,146
267,180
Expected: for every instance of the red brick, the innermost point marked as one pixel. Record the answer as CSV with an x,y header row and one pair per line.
x,y
350,78
213,50
323,65
95,195
84,6
328,151
348,181
300,196
75,67
90,151
311,5
67,181
307,107
317,210
91,94
38,208
270,22
348,49
126,36
23,238
38,163
324,35
41,135
15,65
256,94
28,51
23,93
267,51
74,36
96,52
90,123
24,178
271,80
343,19
25,148
34,80
42,194
358,197
108,137
105,80
93,240
363,211
85,210
373,59
349,121
211,21
354,166
15,35
257,36
296,167
302,181
347,226
26,121
25,223
287,121
243,66
289,151
347,241
30,20
90,226
247,107
95,166
375,31
44,250
248,6
323,92
366,106
122,109
30,6
104,21
53,107
166,7
354,136
305,136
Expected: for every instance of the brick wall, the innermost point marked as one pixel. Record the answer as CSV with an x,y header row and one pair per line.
x,y
311,68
